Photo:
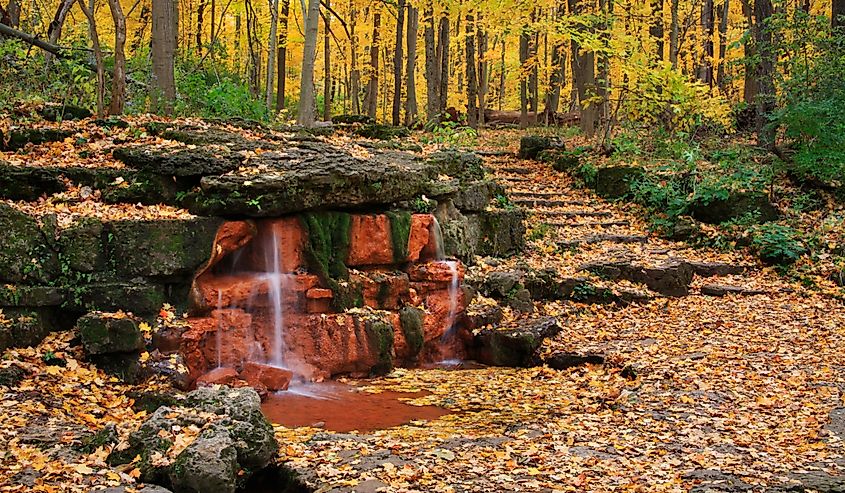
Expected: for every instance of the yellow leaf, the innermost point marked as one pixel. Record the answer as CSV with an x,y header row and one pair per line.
x,y
82,469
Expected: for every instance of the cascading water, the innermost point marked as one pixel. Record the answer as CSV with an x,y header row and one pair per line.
x,y
219,329
275,284
453,285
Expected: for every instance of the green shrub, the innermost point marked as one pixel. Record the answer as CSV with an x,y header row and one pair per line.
x,y
777,244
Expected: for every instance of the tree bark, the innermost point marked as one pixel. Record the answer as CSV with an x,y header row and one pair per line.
x,y
705,67
397,62
502,75
472,77
54,30
271,54
765,72
282,53
432,67
583,69
98,55
443,57
837,13
673,35
13,14
523,77
655,28
483,70
724,13
118,87
355,72
749,90
411,67
327,65
306,98
165,23
371,97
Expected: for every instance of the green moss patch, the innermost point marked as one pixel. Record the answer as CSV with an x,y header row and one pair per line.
x,y
400,234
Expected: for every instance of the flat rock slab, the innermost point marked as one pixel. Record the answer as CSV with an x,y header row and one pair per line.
x,y
724,290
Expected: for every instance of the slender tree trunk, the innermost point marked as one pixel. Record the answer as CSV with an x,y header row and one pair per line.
x,y
411,67
327,63
724,13
271,54
118,87
502,76
472,77
13,14
655,28
88,10
309,54
674,48
165,28
281,63
200,16
54,30
765,73
355,72
483,72
705,68
371,97
583,69
432,67
837,13
523,77
397,63
555,81
603,86
749,91
443,50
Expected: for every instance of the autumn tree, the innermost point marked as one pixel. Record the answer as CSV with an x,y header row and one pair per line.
x,y
163,50
309,53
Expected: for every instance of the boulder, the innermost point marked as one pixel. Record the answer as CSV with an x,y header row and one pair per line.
x,y
28,182
137,297
81,245
18,138
22,327
180,161
236,441
54,112
105,333
614,182
475,196
531,145
671,278
350,119
381,132
24,250
31,296
564,360
465,166
270,377
516,346
219,376
501,232
735,205
161,247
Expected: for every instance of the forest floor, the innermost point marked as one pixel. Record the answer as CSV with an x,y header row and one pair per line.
x,y
743,392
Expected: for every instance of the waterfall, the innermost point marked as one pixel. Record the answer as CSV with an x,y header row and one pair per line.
x,y
219,329
453,285
275,283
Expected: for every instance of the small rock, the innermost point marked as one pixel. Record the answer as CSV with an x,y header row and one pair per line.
x,y
271,377
106,333
515,347
724,290
564,360
219,376
12,375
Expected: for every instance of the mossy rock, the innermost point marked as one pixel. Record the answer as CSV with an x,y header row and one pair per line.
x,y
380,334
530,146
22,327
466,166
514,347
501,232
475,196
28,182
12,375
736,205
400,234
105,333
18,138
350,119
137,297
614,182
30,296
147,188
565,161
179,161
381,132
25,253
57,112
160,248
411,319
81,247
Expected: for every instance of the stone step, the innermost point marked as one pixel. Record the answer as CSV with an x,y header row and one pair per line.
x,y
601,238
540,202
515,170
669,278
598,224
725,289
517,179
529,193
581,213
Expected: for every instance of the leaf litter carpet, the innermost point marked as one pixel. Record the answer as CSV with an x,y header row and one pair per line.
x,y
734,393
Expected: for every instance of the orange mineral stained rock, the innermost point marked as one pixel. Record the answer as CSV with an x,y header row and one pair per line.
x,y
369,241
271,377
219,376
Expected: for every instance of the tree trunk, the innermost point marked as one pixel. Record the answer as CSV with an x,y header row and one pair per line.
x,y
523,77
443,57
483,70
271,54
673,36
411,67
705,68
472,78
13,14
432,67
837,13
655,28
282,53
397,62
371,96
98,55
765,73
749,90
309,54
355,72
724,13
200,15
533,78
54,30
165,23
327,65
583,70
118,87
502,76
603,87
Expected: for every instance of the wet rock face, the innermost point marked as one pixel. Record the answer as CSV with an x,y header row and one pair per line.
x,y
280,290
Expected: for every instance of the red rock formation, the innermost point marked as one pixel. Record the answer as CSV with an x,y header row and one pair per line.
x,y
272,378
219,376
369,241
290,240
